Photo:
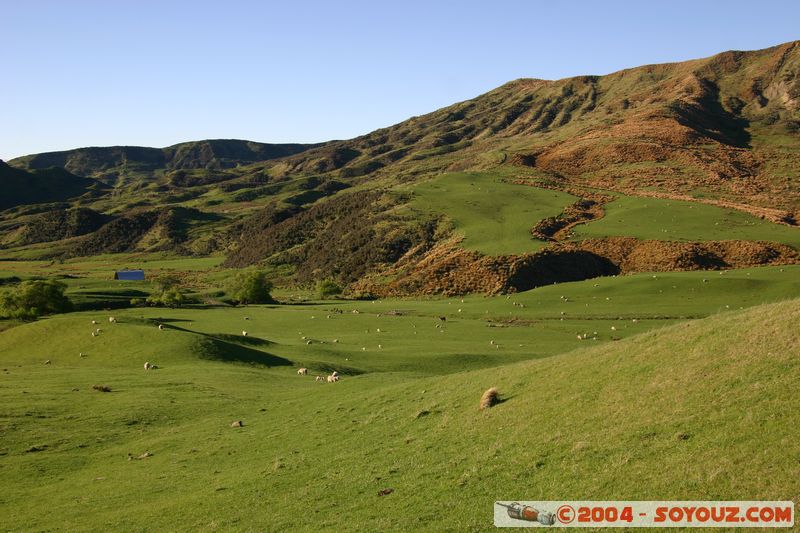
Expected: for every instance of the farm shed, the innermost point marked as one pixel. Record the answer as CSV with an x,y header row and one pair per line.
x,y
129,275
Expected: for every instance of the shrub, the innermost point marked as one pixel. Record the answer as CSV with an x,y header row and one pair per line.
x,y
168,292
328,289
251,287
34,298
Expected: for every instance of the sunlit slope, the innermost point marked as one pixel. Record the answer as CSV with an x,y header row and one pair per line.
x,y
675,220
670,413
495,217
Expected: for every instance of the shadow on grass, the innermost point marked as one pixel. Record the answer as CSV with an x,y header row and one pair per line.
x,y
229,348
220,350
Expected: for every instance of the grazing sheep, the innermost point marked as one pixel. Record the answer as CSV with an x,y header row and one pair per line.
x,y
490,398
308,342
302,371
94,334
319,378
82,354
335,341
47,362
613,328
335,374
244,334
380,346
147,365
333,379
161,326
443,318
111,319
94,322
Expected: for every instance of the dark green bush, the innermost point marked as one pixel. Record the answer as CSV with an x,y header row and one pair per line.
x,y
328,289
251,287
33,298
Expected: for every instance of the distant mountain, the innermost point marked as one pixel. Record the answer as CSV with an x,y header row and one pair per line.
x,y
107,163
20,187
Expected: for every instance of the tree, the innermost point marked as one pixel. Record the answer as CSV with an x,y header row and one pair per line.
x,y
252,287
33,298
328,288
167,292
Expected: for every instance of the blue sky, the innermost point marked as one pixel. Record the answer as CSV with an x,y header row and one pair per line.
x,y
154,73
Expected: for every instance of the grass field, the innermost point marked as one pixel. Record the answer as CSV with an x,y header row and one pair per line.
x,y
675,220
494,217
643,417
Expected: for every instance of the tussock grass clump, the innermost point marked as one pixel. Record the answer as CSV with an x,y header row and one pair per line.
x,y
102,388
490,398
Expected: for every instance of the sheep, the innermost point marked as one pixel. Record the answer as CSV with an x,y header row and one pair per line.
x,y
247,318
94,322
47,362
319,378
94,334
244,334
333,379
147,365
380,346
335,341
490,398
302,371
81,354
308,342
161,326
111,319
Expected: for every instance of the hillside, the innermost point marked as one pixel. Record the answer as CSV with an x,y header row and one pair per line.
x,y
614,420
679,166
42,186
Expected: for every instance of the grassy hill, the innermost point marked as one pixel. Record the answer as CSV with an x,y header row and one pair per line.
x,y
640,418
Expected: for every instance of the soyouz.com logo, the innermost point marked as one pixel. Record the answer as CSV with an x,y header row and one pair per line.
x,y
644,514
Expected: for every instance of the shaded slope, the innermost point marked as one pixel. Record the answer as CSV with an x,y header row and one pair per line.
x,y
41,186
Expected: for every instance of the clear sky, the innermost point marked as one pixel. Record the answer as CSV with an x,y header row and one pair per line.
x,y
94,73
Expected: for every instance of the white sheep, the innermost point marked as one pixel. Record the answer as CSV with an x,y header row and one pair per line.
x,y
302,371
319,378
94,322
244,334
147,365
335,341
333,379
111,319
161,326
335,374
94,334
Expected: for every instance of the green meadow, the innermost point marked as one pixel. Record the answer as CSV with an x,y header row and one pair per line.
x,y
495,217
675,368
676,220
